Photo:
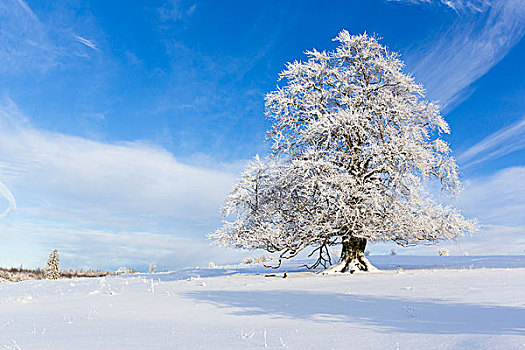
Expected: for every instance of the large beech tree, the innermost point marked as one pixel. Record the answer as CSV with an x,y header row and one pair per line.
x,y
355,144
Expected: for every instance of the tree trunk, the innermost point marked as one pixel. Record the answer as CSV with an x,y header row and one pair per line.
x,y
352,257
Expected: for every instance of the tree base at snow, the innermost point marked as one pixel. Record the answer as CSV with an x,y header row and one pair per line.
x,y
352,259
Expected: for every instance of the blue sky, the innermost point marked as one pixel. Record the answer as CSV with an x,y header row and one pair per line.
x,y
124,124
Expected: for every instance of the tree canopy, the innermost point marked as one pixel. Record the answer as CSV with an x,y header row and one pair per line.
x,y
354,145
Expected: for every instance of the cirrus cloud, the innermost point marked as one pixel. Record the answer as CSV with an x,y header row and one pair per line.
x,y
71,184
483,33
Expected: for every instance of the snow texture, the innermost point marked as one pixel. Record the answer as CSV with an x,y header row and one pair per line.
x,y
477,303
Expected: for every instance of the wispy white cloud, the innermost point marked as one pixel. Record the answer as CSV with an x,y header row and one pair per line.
x,y
127,177
498,199
482,35
87,42
459,6
191,9
6,193
27,43
71,184
175,10
25,7
498,202
500,143
24,43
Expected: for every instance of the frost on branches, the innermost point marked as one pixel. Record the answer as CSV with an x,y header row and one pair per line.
x,y
354,145
52,271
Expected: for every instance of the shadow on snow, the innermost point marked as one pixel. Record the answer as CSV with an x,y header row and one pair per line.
x,y
387,313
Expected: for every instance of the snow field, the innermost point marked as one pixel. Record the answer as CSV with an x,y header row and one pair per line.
x,y
412,309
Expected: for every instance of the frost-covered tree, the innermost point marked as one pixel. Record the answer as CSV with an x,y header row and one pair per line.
x,y
52,271
355,144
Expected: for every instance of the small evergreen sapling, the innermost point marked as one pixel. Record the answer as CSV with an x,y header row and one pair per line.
x,y
52,271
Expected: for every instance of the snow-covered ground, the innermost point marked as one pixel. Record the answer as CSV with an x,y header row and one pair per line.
x,y
414,303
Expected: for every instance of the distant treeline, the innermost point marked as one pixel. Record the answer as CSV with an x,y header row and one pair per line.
x,y
15,274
